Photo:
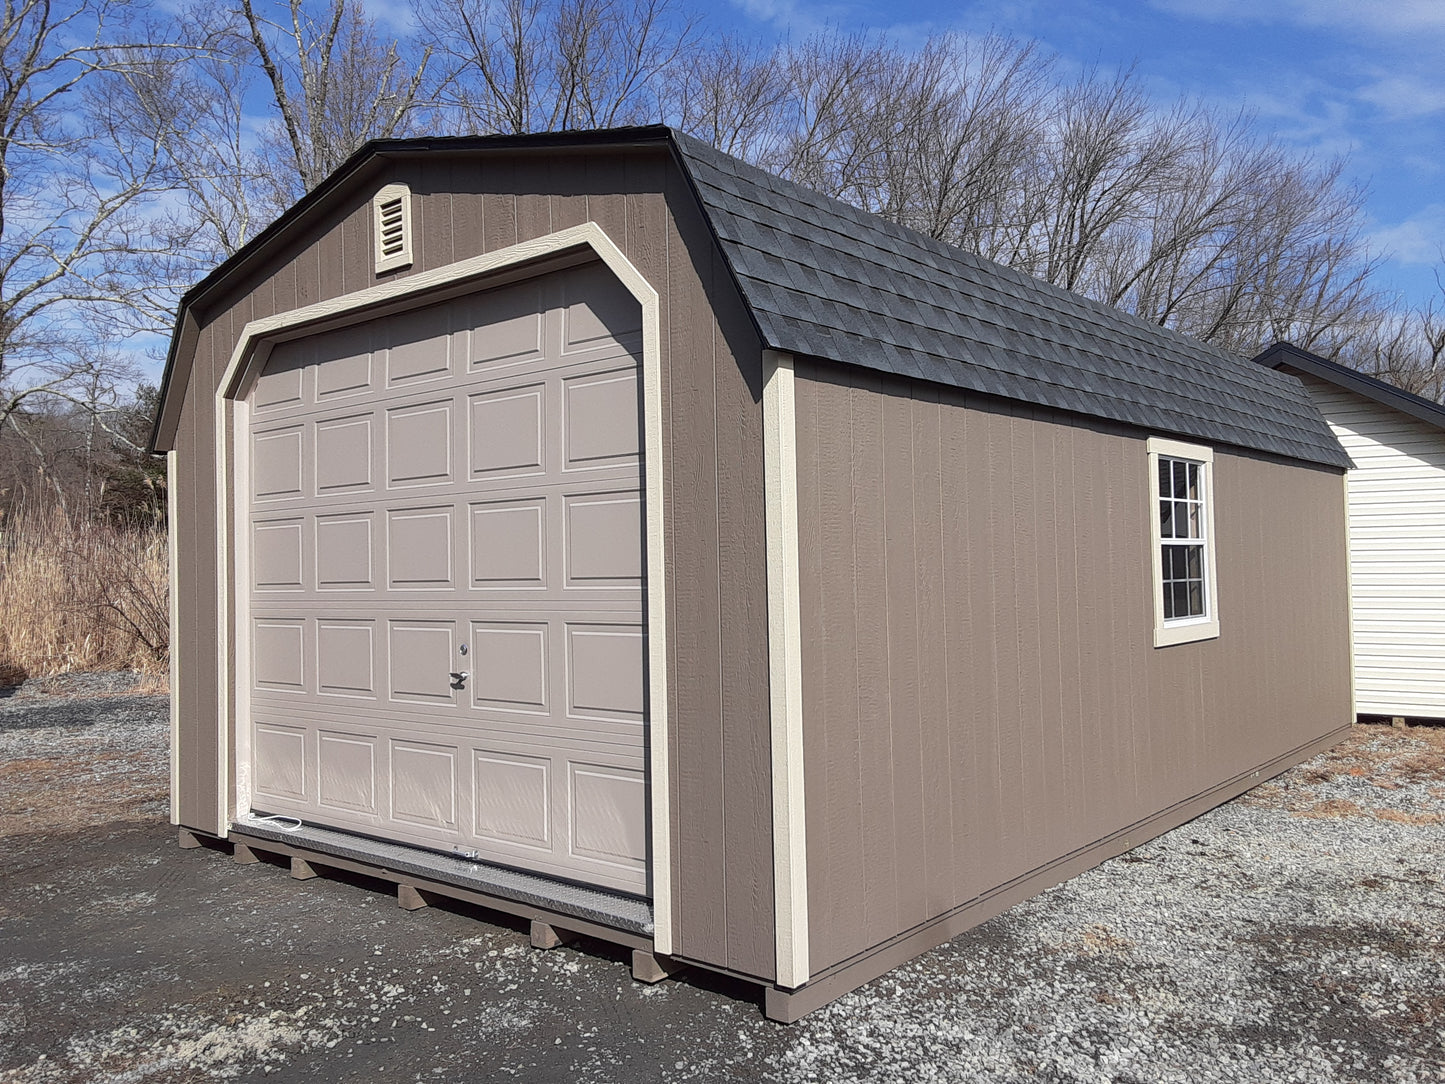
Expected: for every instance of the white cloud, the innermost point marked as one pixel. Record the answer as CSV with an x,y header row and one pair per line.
x,y
1389,17
1405,95
1419,239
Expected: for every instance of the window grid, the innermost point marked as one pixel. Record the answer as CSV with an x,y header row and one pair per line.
x,y
1182,539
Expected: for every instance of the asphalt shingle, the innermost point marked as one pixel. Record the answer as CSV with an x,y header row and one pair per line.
x,y
941,314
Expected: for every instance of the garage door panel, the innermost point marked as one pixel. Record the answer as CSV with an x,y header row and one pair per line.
x,y
506,432
346,662
458,491
604,671
346,766
419,661
343,363
419,445
344,456
508,544
419,548
276,462
603,539
506,326
608,815
509,666
596,307
278,555
601,419
281,385
512,798
345,552
424,783
278,652
418,346
279,761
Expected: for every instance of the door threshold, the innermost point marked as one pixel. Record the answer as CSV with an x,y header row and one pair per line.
x,y
597,906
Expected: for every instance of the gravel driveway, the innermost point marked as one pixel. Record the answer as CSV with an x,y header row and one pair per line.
x,y
1296,934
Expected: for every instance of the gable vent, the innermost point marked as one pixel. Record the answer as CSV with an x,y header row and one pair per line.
x,y
391,215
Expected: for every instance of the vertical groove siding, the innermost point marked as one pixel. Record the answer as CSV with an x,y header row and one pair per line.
x,y
712,391
981,694
1397,551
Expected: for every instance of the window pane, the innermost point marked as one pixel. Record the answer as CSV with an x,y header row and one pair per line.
x,y
1195,563
1192,489
1195,512
1164,487
1166,519
1181,599
1168,597
1181,485
1181,520
1196,598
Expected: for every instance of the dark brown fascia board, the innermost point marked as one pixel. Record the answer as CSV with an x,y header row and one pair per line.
x,y
1284,353
363,162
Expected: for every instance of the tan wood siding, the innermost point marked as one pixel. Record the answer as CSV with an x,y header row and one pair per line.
x,y
981,694
713,437
1397,551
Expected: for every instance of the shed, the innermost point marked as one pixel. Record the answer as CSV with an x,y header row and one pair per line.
x,y
1396,528
600,529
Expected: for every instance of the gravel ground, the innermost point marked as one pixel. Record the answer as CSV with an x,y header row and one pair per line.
x,y
1296,934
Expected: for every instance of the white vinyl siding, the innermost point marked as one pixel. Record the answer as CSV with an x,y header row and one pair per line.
x,y
1397,552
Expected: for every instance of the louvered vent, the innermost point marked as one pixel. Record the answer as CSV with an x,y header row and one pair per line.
x,y
391,210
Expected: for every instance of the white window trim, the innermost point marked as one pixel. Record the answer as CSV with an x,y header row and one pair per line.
x,y
401,258
1188,629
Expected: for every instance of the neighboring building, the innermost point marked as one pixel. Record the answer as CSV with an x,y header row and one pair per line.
x,y
1397,531
603,530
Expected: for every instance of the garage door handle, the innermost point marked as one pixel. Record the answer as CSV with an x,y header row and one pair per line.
x,y
459,679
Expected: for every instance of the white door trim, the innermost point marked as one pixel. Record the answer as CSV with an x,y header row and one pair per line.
x,y
232,424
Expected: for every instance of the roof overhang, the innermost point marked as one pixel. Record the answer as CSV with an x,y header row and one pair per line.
x,y
1283,354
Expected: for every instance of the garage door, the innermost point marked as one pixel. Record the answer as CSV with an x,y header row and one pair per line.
x,y
446,559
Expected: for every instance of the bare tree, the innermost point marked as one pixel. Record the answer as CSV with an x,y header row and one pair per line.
x,y
333,84
730,95
550,65
77,209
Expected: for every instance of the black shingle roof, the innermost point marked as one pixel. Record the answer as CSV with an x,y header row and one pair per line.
x,y
828,280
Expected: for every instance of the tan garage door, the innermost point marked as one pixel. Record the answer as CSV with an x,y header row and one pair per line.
x,y
456,491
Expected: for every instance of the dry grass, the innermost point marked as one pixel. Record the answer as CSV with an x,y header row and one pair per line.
x,y
76,594
48,794
1386,757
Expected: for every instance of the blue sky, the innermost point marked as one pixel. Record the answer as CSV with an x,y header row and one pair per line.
x,y
1363,79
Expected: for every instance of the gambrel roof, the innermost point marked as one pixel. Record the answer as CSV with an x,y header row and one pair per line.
x,y
823,279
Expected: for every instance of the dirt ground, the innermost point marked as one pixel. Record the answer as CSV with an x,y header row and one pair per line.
x,y
1297,934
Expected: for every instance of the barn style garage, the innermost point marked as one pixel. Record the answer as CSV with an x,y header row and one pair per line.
x,y
602,530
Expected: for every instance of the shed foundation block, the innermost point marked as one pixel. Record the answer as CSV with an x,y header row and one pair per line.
x,y
301,869
650,969
409,898
186,839
546,936
244,856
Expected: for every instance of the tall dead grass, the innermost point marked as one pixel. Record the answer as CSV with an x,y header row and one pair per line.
x,y
81,594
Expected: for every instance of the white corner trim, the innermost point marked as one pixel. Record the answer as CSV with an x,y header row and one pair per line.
x,y
1207,627
174,603
1350,601
417,290
785,671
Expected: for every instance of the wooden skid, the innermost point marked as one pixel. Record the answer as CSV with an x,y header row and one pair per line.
x,y
411,888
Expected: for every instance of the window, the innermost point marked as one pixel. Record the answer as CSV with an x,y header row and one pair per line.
x,y
391,216
1181,493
